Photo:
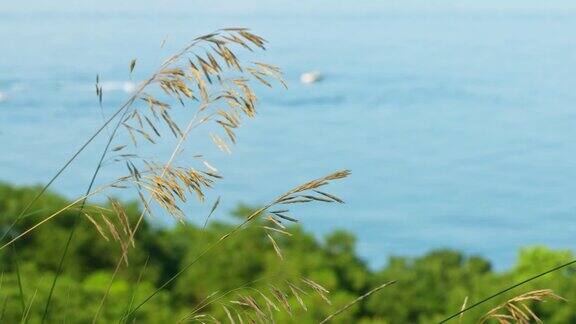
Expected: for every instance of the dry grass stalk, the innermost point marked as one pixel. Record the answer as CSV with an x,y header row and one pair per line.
x,y
209,75
464,304
301,194
112,222
355,301
261,305
196,82
72,205
517,309
208,80
166,184
299,189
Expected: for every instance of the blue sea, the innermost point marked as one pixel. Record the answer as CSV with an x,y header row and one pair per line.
x,y
457,118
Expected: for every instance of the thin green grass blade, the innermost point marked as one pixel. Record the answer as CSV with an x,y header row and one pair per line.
x,y
19,277
508,289
77,219
3,311
64,167
198,257
27,313
125,318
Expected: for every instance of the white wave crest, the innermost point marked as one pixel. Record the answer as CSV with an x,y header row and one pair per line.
x,y
125,86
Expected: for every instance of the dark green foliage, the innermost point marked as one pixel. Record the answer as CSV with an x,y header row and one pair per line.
x,y
428,288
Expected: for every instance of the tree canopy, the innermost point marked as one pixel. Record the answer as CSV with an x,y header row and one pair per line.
x,y
428,288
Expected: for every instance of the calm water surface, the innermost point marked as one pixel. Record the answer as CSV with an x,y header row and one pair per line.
x,y
459,122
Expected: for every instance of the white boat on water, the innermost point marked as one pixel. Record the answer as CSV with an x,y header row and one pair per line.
x,y
311,77
3,96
